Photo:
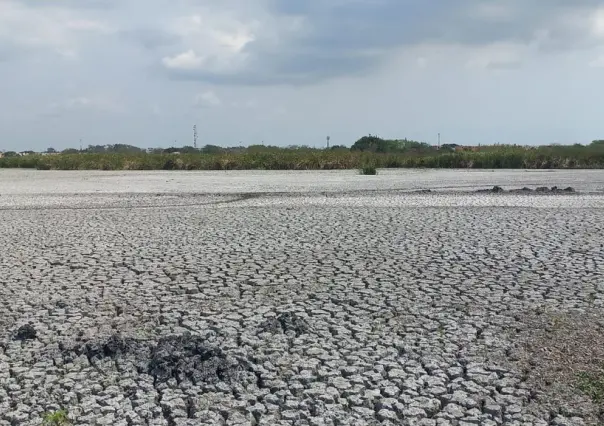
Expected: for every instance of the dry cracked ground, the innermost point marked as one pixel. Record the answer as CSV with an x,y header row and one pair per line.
x,y
187,303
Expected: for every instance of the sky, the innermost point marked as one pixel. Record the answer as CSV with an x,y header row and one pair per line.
x,y
291,72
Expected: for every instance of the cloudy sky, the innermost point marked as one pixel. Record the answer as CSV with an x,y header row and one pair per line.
x,y
294,71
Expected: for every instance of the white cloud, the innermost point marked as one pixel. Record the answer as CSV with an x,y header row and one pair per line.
x,y
498,55
597,62
215,43
89,25
433,57
31,27
184,61
492,11
597,23
247,104
156,109
207,99
102,103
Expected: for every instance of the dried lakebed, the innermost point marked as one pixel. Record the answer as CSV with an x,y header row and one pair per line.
x,y
353,308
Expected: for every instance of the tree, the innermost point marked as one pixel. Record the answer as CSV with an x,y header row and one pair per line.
x,y
448,146
187,149
95,148
212,149
70,151
375,144
171,150
369,143
123,148
51,151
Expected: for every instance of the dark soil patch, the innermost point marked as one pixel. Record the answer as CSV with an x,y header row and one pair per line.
x,y
26,332
189,357
182,357
113,347
526,190
495,190
285,322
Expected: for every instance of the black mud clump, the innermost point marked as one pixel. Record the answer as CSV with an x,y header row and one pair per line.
x,y
188,357
26,332
527,190
113,347
555,190
494,190
285,322
524,190
181,357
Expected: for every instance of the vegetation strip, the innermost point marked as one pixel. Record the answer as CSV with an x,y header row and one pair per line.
x,y
367,153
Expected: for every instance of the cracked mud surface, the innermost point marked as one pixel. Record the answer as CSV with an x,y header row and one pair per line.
x,y
351,308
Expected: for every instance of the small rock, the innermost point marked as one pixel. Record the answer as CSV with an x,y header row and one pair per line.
x,y
414,413
290,415
493,409
396,373
385,414
340,383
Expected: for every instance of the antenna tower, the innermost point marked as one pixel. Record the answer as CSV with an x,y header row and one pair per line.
x,y
195,136
328,139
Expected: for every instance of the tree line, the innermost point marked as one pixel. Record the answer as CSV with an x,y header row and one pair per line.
x,y
369,144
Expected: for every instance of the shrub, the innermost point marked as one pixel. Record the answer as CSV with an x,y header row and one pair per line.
x,y
368,170
56,418
43,166
369,151
169,164
592,385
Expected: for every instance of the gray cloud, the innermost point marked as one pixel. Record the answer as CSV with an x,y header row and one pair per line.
x,y
351,37
94,69
72,4
150,38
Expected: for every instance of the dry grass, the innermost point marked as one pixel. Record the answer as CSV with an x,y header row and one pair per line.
x,y
561,356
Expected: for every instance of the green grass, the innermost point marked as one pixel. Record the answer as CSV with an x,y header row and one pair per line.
x,y
56,418
592,385
488,157
368,170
